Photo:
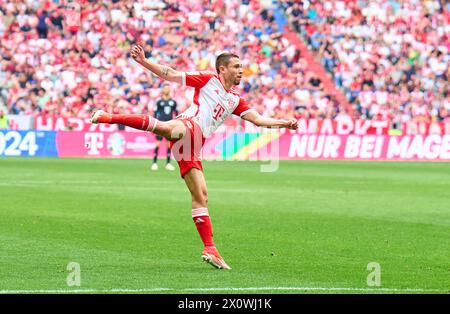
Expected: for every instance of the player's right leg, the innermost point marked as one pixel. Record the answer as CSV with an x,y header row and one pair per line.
x,y
171,130
196,184
168,164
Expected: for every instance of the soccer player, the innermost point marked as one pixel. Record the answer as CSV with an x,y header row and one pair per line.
x,y
166,110
215,98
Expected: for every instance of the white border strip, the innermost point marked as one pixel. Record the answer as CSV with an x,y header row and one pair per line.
x,y
122,290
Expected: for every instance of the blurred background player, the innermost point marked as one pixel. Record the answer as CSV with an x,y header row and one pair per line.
x,y
166,110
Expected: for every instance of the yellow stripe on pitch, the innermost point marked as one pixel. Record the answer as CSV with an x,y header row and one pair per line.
x,y
245,152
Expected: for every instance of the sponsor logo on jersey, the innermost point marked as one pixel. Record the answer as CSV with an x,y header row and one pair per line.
x,y
218,111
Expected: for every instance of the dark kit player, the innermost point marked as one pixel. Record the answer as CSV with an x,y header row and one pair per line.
x,y
166,110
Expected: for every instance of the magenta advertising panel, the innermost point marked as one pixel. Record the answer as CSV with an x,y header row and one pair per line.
x,y
262,146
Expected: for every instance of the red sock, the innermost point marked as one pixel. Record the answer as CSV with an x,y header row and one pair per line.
x,y
136,121
203,224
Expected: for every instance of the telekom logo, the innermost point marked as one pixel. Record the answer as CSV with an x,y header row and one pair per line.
x,y
218,111
94,142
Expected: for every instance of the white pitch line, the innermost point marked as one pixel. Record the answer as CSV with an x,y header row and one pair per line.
x,y
120,290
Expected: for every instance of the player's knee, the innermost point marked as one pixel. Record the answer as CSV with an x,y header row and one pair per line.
x,y
205,197
201,199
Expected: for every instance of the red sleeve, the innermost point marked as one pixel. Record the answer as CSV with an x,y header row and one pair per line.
x,y
242,108
197,79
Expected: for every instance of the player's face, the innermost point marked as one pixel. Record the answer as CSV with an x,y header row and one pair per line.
x,y
166,90
233,73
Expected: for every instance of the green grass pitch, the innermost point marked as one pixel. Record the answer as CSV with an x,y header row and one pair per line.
x,y
310,227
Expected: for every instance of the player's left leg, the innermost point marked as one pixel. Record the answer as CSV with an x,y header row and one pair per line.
x,y
155,156
196,184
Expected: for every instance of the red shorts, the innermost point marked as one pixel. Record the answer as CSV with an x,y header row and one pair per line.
x,y
187,151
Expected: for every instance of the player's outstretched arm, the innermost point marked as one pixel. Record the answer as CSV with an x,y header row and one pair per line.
x,y
254,117
163,71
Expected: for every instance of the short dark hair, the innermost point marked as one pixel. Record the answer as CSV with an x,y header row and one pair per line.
x,y
224,59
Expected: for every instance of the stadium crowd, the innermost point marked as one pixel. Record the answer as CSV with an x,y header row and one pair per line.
x,y
391,58
50,66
